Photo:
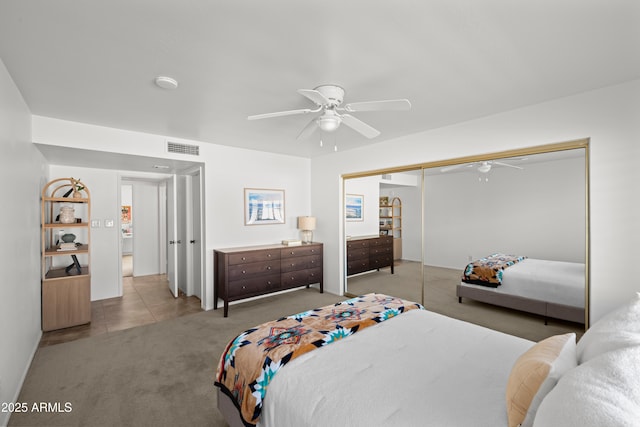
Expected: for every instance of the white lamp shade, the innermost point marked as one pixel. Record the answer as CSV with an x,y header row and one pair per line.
x,y
306,223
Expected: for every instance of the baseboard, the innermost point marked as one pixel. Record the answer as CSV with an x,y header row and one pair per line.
x,y
5,416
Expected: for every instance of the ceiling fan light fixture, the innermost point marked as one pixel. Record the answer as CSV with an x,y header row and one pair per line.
x,y
328,122
484,167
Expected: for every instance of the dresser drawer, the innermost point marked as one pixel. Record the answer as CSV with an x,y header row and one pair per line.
x,y
380,250
358,266
254,286
300,263
253,256
358,244
380,261
382,241
357,253
247,270
315,275
299,251
292,279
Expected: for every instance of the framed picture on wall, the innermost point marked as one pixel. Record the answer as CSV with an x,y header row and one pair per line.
x,y
354,207
263,206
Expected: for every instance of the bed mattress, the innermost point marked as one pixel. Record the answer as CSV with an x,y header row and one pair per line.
x,y
420,368
557,281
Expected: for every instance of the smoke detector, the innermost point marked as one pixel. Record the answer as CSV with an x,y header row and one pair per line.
x,y
166,82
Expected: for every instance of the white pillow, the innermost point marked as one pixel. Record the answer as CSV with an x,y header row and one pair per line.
x,y
618,329
535,373
605,391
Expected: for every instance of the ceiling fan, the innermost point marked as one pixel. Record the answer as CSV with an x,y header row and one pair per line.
x,y
328,100
482,167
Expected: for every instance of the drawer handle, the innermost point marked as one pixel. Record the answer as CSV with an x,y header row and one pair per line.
x,y
244,271
243,258
244,287
293,253
268,282
269,267
269,255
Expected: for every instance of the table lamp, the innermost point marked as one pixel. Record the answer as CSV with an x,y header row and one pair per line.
x,y
307,224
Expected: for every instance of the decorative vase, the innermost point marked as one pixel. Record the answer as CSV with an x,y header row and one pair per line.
x,y
68,238
67,215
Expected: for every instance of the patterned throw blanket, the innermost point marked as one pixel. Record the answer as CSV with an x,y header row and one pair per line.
x,y
488,271
250,361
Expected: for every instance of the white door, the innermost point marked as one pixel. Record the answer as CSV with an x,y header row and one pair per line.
x,y
194,260
172,235
181,240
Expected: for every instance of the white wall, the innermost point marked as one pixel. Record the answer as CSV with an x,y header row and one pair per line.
x,y
411,198
24,172
369,188
104,187
227,172
608,116
537,212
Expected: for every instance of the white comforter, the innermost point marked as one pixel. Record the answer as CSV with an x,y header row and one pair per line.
x,y
557,281
418,369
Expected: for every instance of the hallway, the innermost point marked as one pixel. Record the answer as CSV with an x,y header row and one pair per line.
x,y
146,299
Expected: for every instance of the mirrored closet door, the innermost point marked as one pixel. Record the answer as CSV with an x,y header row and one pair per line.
x,y
530,204
383,229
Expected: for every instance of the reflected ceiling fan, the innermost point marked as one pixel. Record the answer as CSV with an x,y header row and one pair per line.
x,y
482,167
328,100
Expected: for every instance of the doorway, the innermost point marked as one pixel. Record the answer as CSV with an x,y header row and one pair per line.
x,y
185,233
126,229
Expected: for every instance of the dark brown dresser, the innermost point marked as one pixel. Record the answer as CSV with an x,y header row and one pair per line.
x,y
369,253
250,271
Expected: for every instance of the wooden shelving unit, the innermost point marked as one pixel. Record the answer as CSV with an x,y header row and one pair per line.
x,y
391,223
66,289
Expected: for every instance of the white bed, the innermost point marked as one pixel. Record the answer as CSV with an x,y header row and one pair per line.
x,y
374,377
549,288
424,369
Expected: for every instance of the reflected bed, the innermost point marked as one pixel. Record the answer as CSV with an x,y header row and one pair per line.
x,y
554,289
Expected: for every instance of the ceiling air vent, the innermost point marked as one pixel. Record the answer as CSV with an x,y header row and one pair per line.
x,y
174,147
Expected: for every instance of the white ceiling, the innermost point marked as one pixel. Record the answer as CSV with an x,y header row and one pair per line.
x,y
94,61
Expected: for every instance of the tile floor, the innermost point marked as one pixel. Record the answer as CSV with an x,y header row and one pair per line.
x,y
146,299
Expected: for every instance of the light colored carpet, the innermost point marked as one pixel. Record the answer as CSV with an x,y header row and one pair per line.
x,y
162,374
155,375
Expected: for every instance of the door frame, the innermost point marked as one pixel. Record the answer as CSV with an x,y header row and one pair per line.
x,y
190,215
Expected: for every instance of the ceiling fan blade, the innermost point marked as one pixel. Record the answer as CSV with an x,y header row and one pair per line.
x,y
389,105
315,96
507,165
359,126
452,167
280,113
308,130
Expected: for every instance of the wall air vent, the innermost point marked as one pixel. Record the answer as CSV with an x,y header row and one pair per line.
x,y
174,147
387,176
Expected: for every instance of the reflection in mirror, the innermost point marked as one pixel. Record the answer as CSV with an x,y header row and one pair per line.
x,y
383,229
529,207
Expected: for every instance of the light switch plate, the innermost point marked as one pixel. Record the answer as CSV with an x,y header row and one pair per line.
x,y
95,223
108,223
